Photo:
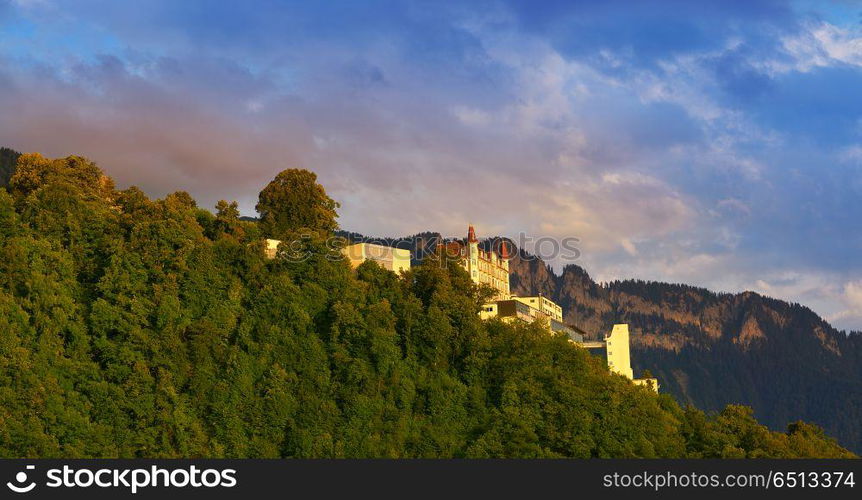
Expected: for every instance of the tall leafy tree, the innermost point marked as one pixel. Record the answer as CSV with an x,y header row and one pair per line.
x,y
294,201
8,162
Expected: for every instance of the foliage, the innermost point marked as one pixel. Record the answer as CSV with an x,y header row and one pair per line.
x,y
294,201
132,327
8,160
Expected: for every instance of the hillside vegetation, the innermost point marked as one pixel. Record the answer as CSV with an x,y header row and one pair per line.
x,y
132,327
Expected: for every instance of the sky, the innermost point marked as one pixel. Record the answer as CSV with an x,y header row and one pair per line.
x,y
714,143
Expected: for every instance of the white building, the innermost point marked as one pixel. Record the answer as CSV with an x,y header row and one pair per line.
x,y
393,259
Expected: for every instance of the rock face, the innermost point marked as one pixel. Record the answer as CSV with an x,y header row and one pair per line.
x,y
712,349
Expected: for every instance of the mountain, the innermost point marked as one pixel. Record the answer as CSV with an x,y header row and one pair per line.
x,y
710,349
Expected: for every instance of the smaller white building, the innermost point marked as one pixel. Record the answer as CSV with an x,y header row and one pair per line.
x,y
619,357
271,248
543,304
393,259
617,345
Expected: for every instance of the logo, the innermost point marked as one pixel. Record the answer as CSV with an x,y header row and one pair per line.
x,y
133,479
21,478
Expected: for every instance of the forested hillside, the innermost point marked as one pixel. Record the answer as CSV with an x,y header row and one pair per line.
x,y
132,327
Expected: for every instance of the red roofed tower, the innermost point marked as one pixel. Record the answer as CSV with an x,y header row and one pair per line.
x,y
504,250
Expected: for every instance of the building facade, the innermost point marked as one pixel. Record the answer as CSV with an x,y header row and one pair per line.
x,y
393,259
271,248
617,351
489,268
543,304
492,268
619,357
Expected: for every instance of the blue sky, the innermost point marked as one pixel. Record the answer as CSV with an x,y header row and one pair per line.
x,y
712,143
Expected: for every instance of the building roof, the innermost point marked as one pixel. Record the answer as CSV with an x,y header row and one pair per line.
x,y
471,235
504,249
458,248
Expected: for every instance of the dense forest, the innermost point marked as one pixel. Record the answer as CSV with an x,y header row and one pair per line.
x,y
134,327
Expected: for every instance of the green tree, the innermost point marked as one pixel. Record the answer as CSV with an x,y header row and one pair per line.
x,y
35,171
227,220
8,162
294,201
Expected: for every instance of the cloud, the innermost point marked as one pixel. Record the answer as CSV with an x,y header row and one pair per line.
x,y
714,143
851,316
148,130
644,34
822,44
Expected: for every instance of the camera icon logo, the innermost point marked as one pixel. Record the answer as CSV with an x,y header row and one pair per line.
x,y
20,479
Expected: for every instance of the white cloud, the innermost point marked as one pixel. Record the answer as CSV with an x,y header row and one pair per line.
x,y
821,44
840,44
629,246
543,144
852,300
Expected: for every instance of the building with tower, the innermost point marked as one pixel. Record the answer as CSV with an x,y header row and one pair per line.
x,y
489,267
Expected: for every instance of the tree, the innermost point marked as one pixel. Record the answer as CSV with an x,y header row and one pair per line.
x,y
229,212
294,201
227,219
182,199
8,161
35,171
